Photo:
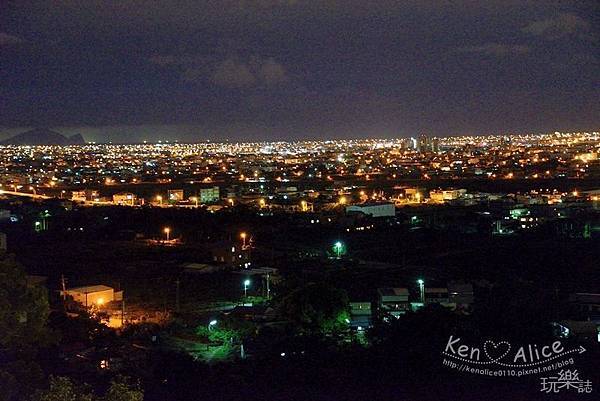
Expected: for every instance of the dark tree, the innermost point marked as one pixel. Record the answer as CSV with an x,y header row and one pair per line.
x,y
317,307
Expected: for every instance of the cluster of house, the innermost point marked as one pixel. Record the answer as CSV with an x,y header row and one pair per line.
x,y
583,323
394,302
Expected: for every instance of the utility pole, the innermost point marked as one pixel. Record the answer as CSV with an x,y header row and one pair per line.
x,y
268,287
177,296
123,311
422,290
64,287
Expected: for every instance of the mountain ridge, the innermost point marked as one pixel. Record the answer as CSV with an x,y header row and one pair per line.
x,y
43,136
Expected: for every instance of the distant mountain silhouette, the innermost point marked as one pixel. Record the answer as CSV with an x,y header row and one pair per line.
x,y
76,139
43,136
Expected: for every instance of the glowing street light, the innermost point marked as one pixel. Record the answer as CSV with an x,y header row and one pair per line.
x,y
246,285
159,199
167,231
243,236
338,247
421,289
195,200
211,324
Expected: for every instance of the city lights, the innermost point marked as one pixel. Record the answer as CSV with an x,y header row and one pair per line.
x,y
287,200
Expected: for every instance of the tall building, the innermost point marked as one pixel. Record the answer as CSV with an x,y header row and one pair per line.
x,y
425,144
422,143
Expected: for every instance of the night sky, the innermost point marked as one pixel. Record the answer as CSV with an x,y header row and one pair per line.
x,y
132,70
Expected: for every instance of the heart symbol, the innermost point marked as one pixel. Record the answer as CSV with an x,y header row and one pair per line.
x,y
496,351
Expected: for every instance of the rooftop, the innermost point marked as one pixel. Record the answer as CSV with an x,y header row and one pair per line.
x,y
90,289
393,291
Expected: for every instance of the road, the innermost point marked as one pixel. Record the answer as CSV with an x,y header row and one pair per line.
x,y
37,196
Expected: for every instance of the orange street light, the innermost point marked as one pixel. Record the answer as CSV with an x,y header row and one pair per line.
x,y
167,231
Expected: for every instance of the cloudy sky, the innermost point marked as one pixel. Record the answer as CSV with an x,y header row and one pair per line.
x,y
131,70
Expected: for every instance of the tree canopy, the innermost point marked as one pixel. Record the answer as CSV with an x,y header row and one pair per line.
x,y
23,309
317,307
63,389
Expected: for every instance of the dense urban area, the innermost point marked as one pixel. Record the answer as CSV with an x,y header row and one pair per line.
x,y
322,270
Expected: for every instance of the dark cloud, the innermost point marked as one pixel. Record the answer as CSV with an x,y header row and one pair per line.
x,y
270,72
285,68
6,39
495,49
230,72
560,25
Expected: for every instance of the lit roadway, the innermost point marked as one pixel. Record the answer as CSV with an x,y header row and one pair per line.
x,y
27,194
87,203
36,196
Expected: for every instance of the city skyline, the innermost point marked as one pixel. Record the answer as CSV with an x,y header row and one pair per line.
x,y
191,135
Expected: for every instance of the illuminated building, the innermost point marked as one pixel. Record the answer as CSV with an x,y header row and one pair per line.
x,y
209,195
393,301
96,295
175,195
124,199
374,209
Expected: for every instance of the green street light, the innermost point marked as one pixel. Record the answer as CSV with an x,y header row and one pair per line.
x,y
338,247
246,285
421,289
